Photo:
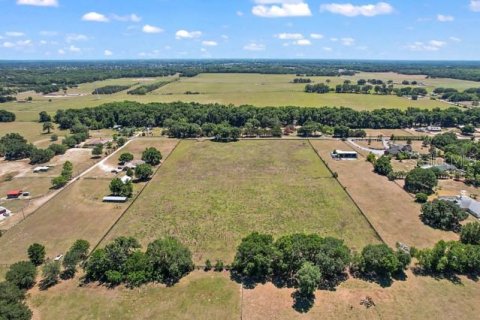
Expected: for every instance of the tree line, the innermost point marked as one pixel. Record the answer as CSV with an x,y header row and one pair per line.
x,y
110,89
133,114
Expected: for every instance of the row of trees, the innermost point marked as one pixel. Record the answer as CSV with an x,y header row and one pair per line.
x,y
132,114
144,89
65,176
309,261
165,261
110,89
451,94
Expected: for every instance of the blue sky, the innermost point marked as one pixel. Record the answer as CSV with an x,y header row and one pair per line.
x,y
314,29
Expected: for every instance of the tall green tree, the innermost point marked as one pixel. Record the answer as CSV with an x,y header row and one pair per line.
x,y
36,254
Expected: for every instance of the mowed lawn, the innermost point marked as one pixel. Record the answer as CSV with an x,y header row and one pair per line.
x,y
197,296
210,195
237,89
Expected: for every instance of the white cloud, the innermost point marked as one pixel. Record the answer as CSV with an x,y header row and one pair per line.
x,y
151,29
48,33
475,5
128,18
328,49
43,42
18,44
75,37
95,17
184,34
14,34
38,3
350,10
252,46
240,13
61,51
316,36
225,37
209,43
8,44
107,53
72,48
334,39
432,45
347,41
281,8
289,36
303,42
444,18
455,39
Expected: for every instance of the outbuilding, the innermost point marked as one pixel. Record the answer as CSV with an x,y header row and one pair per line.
x,y
344,155
13,194
115,199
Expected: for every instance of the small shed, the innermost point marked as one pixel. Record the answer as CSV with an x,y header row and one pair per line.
x,y
13,194
344,155
115,199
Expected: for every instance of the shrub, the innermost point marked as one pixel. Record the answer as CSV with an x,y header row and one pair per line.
x,y
383,166
50,273
152,156
36,254
219,266
470,233
143,172
308,278
421,197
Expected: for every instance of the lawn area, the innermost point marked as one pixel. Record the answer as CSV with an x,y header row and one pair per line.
x,y
197,296
210,195
390,209
256,89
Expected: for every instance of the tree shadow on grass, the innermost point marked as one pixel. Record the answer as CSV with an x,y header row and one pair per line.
x,y
246,282
381,280
302,303
453,278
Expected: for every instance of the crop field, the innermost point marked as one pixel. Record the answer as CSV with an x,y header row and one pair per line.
x,y
198,296
77,212
390,209
237,89
210,195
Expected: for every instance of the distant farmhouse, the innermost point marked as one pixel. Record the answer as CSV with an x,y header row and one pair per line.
x,y
468,204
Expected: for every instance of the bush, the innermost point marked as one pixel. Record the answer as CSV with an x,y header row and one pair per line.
x,y
58,148
470,233
152,156
59,182
208,265
143,172
421,181
219,266
444,215
51,274
125,157
38,156
22,274
36,254
421,197
381,260
383,166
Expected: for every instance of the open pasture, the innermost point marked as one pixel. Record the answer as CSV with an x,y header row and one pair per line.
x,y
198,296
237,89
391,210
210,195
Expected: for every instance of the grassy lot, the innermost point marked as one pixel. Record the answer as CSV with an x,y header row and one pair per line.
x,y
391,210
197,296
417,298
237,89
76,213
210,195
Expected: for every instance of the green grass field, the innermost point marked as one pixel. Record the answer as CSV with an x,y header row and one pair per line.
x,y
210,195
198,296
255,89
